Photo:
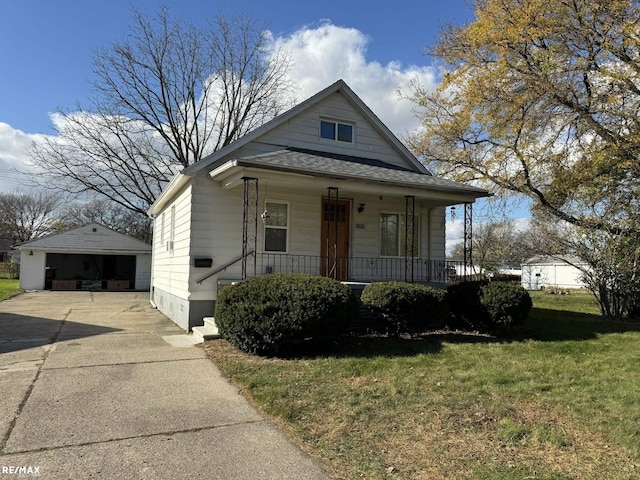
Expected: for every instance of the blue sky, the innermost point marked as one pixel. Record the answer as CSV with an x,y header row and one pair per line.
x,y
376,47
48,45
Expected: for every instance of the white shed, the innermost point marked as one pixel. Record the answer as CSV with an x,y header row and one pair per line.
x,y
547,271
92,257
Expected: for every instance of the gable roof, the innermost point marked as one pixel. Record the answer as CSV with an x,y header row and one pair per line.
x,y
339,86
554,260
88,239
421,177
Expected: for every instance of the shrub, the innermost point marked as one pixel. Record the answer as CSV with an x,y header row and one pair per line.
x,y
9,270
405,307
488,306
272,314
506,304
463,302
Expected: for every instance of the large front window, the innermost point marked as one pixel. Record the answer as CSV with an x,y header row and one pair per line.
x,y
276,225
393,231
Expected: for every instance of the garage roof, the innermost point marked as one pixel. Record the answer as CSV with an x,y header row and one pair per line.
x,y
92,238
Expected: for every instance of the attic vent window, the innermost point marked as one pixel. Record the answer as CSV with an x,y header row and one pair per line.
x,y
94,229
340,132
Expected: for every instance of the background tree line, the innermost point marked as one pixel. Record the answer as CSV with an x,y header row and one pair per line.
x,y
26,216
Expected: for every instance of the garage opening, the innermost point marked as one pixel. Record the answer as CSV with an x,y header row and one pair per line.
x,y
72,271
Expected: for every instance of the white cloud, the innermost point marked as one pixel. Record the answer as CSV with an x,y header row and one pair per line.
x,y
326,53
14,145
454,234
321,55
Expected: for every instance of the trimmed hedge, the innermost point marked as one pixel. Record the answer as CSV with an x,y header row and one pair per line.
x,y
487,306
405,307
506,304
463,302
273,314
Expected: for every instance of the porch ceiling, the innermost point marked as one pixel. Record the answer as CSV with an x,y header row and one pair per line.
x,y
312,164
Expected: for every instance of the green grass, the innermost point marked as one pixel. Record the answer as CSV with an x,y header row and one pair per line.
x,y
559,400
8,288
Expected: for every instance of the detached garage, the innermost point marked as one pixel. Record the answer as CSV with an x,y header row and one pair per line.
x,y
92,257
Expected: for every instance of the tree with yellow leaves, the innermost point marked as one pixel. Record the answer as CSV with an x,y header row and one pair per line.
x,y
542,98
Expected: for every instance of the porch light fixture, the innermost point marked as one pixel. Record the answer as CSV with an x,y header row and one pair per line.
x,y
361,208
31,253
265,214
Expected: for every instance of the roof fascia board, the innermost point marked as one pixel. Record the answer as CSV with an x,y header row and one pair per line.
x,y
176,184
283,178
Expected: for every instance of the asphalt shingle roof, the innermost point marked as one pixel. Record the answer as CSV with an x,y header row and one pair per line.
x,y
356,168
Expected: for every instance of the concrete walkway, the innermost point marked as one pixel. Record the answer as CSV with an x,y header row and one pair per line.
x,y
98,385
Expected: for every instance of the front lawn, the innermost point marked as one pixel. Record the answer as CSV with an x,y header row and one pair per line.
x,y
8,288
559,400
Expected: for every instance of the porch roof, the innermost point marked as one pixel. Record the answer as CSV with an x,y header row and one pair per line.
x,y
343,167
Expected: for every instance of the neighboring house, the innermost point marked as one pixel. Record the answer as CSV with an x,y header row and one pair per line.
x,y
324,188
92,257
547,271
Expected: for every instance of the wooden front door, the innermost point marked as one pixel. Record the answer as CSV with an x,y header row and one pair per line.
x,y
335,238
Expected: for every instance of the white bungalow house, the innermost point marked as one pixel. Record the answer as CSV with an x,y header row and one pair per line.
x,y
548,271
324,188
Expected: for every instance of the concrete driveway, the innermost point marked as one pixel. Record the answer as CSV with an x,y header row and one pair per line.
x,y
100,385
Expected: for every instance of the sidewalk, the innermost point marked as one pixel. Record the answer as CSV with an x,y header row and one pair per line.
x,y
91,389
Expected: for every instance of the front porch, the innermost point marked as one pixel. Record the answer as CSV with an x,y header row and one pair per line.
x,y
358,269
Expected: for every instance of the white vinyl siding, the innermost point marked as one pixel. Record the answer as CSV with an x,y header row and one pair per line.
x,y
171,268
303,132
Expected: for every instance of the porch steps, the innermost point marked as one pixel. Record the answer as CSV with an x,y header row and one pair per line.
x,y
365,323
208,331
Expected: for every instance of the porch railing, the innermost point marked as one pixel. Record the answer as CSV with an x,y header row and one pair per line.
x,y
363,269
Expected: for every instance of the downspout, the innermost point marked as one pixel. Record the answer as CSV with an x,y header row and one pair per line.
x,y
153,243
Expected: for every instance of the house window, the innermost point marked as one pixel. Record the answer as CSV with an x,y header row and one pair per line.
x,y
276,226
162,229
341,132
392,235
172,231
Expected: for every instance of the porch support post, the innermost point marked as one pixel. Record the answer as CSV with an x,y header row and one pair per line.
x,y
409,236
468,240
249,226
331,217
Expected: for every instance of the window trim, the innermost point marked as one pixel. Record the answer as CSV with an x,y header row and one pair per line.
x,y
277,227
400,245
336,124
172,231
162,221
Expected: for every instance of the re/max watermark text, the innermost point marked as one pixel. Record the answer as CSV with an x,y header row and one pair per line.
x,y
20,471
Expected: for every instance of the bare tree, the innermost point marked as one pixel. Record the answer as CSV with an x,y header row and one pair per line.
x,y
26,216
494,244
165,97
110,215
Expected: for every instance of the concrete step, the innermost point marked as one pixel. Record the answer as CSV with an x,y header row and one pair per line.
x,y
208,331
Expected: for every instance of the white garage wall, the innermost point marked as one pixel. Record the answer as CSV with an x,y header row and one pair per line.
x,y
32,269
